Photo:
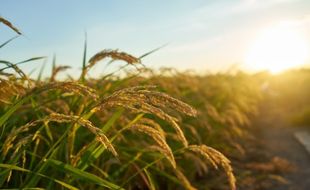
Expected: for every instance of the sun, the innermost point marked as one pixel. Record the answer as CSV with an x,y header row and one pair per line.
x,y
277,48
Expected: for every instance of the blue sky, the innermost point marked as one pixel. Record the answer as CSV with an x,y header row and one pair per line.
x,y
203,35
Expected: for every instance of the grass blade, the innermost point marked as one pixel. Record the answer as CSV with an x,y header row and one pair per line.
x,y
8,41
17,168
82,78
10,65
152,51
12,109
66,168
41,71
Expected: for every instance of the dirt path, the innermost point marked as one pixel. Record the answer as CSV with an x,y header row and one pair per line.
x,y
278,140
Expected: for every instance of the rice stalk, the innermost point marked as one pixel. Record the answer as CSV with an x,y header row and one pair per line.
x,y
184,181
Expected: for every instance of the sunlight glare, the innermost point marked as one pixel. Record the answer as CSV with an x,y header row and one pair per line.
x,y
277,49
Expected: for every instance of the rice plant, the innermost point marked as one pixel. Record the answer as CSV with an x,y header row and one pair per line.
x,y
120,132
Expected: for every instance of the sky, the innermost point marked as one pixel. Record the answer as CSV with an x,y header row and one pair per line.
x,y
201,35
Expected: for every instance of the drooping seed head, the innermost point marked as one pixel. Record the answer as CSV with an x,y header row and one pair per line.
x,y
159,139
10,25
100,136
216,159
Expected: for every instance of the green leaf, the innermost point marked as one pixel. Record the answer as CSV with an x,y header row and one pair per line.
x,y
66,168
152,51
8,41
32,59
10,65
151,166
95,150
41,72
126,165
12,109
54,63
17,168
84,59
112,120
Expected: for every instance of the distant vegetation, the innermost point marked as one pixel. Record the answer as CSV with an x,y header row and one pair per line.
x,y
291,92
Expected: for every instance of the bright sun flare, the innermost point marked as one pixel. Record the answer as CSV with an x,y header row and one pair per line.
x,y
278,48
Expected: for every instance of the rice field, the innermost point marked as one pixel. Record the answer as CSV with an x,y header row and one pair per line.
x,y
143,129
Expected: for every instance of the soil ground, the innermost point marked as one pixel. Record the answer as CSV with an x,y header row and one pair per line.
x,y
276,139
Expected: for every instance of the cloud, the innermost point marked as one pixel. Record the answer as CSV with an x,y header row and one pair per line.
x,y
228,8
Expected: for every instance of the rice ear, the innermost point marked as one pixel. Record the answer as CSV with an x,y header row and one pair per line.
x,y
216,159
159,139
140,99
74,87
153,124
16,69
162,99
56,70
8,143
100,136
114,55
10,25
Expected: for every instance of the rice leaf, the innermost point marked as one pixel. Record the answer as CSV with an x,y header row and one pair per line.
x,y
66,168
17,168
152,51
82,77
8,41
12,109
